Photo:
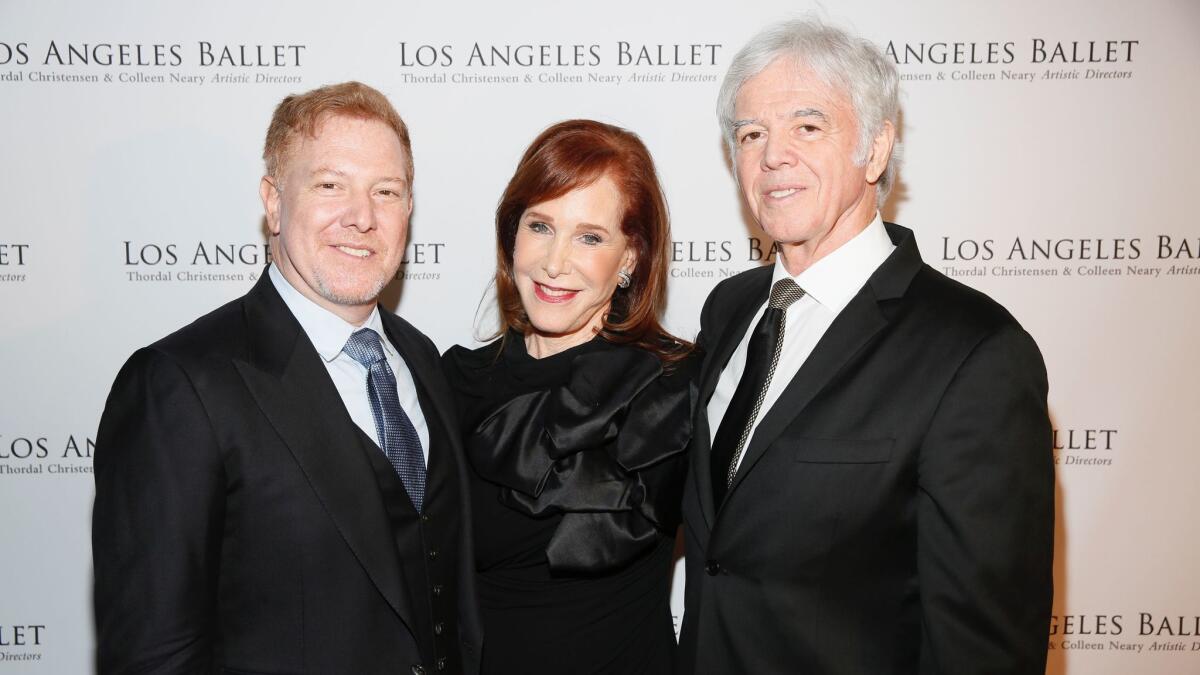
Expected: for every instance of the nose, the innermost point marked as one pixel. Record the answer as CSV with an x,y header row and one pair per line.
x,y
778,152
558,257
360,211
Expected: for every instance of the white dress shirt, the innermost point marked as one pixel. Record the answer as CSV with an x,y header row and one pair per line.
x,y
329,333
829,285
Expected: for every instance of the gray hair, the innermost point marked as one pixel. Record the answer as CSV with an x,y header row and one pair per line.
x,y
852,64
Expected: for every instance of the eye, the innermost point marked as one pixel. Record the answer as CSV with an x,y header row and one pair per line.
x,y
809,128
538,227
750,136
591,239
327,186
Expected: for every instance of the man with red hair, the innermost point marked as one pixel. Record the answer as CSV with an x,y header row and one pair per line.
x,y
278,484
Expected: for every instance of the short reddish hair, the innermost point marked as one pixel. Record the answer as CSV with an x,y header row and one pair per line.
x,y
575,154
305,113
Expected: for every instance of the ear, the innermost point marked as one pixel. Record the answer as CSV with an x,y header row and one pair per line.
x,y
881,152
270,199
629,260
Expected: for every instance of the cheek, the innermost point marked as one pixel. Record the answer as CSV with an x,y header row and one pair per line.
x,y
306,223
398,230
600,268
527,257
745,172
521,254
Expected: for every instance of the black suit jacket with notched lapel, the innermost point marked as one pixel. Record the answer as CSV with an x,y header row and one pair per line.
x,y
239,524
894,509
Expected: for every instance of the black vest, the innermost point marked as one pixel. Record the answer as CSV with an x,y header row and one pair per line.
x,y
427,544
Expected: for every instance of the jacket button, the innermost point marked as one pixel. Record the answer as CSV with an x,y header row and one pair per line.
x,y
438,628
441,663
418,669
437,589
424,517
712,568
433,554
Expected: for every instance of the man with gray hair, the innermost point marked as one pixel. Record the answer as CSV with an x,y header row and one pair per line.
x,y
872,487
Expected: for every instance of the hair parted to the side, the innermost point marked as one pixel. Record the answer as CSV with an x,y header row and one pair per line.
x,y
305,113
574,154
855,65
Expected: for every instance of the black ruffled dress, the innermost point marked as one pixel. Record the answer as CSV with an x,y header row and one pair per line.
x,y
578,465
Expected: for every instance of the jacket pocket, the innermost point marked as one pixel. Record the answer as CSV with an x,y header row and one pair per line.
x,y
842,450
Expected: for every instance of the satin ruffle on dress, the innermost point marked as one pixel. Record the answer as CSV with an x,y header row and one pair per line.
x,y
578,461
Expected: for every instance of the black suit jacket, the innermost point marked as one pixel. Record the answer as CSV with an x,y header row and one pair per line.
x,y
238,526
894,509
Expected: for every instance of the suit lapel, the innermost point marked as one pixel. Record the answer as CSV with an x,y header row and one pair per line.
x,y
424,368
292,388
849,333
731,330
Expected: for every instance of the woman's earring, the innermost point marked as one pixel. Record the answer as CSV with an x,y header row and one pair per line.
x,y
623,279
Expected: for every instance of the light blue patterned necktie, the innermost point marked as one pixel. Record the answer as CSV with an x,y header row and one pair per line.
x,y
395,430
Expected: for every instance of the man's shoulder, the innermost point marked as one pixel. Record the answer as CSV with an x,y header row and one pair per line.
x,y
737,288
201,352
947,304
221,332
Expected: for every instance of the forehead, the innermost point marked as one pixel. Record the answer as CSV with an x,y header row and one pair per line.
x,y
598,202
785,86
350,139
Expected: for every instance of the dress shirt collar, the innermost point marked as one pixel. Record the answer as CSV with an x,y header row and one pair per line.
x,y
834,280
327,331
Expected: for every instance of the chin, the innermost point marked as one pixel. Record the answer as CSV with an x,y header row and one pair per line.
x,y
352,293
560,332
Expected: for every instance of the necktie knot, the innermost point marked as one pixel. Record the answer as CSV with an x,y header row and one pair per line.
x,y
784,293
365,347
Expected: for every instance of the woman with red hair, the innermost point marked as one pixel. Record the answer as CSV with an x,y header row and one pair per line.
x,y
576,419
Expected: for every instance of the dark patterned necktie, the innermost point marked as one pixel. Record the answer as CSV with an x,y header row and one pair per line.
x,y
395,430
762,356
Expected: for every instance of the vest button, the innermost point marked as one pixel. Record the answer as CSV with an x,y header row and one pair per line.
x,y
433,554
712,568
441,663
437,589
418,669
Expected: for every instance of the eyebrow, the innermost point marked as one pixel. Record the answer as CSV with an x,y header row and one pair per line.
x,y
342,174
327,169
811,112
802,112
549,219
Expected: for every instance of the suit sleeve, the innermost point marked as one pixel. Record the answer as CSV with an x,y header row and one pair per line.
x,y
986,515
156,524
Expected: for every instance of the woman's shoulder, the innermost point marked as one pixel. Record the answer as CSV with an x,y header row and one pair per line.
x,y
464,365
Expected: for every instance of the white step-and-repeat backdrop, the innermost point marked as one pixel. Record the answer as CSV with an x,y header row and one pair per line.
x,y
1051,161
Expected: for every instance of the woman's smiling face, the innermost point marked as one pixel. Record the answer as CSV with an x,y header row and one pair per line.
x,y
566,258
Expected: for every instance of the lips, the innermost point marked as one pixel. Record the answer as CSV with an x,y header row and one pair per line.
x,y
354,251
553,294
782,192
